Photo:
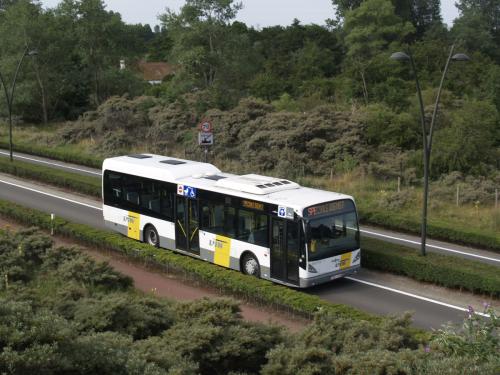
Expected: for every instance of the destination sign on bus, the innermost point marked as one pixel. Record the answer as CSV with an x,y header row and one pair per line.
x,y
327,208
253,205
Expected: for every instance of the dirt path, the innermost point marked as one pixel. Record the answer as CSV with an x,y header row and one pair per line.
x,y
169,286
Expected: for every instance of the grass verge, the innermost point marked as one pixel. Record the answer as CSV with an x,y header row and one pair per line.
x,y
77,182
62,153
435,229
448,271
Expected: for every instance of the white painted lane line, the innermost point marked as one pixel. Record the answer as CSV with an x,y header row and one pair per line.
x,y
51,195
361,230
414,296
55,164
433,246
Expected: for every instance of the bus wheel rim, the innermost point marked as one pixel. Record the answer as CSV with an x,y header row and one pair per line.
x,y
152,237
251,266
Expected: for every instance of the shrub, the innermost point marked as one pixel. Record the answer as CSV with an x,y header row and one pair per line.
x,y
86,271
448,271
139,317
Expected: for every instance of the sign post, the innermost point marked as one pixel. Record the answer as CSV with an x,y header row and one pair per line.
x,y
205,136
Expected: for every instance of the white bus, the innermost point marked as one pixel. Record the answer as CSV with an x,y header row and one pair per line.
x,y
263,226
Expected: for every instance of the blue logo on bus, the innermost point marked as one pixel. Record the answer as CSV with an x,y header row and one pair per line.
x,y
187,191
282,212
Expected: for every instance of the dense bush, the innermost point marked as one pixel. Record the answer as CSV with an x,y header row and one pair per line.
x,y
471,189
337,346
128,333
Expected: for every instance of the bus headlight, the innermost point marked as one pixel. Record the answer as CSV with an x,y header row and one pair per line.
x,y
311,269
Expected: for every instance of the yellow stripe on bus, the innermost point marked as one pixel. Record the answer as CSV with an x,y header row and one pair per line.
x,y
222,250
345,261
134,226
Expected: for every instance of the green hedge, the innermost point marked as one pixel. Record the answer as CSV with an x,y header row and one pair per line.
x,y
437,230
448,271
228,281
58,153
83,184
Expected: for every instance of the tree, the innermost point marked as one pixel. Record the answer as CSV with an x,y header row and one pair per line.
x,y
421,13
200,32
479,26
424,14
470,142
102,40
342,7
370,30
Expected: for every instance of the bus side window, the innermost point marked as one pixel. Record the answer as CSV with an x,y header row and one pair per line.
x,y
229,221
253,227
150,196
131,189
213,217
113,188
166,202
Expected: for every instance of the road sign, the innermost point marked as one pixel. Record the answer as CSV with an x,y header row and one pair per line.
x,y
206,126
205,139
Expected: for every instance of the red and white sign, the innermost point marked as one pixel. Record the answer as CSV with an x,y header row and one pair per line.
x,y
206,126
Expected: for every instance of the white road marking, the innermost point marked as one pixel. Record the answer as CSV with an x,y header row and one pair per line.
x,y
361,230
348,277
51,195
414,296
55,164
433,246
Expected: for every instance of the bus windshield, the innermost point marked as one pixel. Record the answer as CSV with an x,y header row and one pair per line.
x,y
333,235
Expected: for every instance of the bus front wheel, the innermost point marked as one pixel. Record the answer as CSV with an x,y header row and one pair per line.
x,y
250,265
151,236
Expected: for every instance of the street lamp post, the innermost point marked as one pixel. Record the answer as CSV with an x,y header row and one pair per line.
x,y
9,96
427,134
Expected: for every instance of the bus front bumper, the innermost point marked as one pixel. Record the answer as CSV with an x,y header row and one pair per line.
x,y
326,277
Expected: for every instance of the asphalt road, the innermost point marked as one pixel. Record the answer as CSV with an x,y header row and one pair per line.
x,y
426,314
386,235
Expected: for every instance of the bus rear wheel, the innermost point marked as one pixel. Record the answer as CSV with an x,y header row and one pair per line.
x,y
151,236
250,265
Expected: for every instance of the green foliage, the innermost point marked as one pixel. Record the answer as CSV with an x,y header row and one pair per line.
x,y
438,269
87,272
67,154
371,29
476,337
123,332
465,147
336,346
437,229
139,317
84,184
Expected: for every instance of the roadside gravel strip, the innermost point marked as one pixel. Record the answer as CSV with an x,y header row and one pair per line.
x,y
385,235
380,296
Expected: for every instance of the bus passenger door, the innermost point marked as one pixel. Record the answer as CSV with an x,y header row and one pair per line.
x,y
285,251
187,225
193,226
181,237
